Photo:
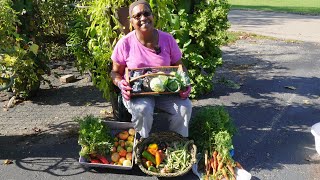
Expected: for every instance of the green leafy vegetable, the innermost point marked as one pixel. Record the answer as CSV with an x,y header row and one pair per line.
x,y
173,85
207,123
223,144
183,78
94,136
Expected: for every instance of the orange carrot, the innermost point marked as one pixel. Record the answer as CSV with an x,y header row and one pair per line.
x,y
208,169
211,162
224,172
220,165
218,160
207,177
238,165
212,166
215,165
214,154
230,168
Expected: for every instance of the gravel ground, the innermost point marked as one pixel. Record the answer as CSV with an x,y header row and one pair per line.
x,y
52,110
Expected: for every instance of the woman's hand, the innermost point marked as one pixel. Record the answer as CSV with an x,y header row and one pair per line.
x,y
185,94
125,88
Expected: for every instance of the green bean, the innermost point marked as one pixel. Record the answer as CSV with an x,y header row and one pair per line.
x,y
185,157
178,156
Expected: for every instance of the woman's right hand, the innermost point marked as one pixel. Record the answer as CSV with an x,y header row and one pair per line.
x,y
185,94
125,88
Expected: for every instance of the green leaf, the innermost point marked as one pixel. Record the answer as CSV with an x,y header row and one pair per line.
x,y
187,43
94,133
207,122
34,48
175,22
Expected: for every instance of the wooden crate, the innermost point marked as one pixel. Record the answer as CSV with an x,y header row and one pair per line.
x,y
156,71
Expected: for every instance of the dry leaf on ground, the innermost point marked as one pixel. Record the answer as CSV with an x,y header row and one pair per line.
x,y
7,161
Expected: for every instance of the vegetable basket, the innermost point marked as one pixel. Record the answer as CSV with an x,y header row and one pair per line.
x,y
156,80
167,137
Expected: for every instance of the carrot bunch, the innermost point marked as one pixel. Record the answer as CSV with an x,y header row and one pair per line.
x,y
219,164
212,130
218,167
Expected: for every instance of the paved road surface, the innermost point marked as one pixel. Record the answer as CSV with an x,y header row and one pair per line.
x,y
280,25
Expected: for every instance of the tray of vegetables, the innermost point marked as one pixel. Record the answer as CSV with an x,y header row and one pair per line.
x,y
106,144
157,80
165,154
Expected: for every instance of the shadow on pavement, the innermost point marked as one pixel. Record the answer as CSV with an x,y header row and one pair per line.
x,y
56,155
72,95
273,108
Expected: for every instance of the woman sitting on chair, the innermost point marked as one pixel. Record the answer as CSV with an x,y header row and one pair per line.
x,y
146,46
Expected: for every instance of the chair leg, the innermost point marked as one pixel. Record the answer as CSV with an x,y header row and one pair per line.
x,y
123,114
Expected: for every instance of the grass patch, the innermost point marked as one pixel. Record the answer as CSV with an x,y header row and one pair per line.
x,y
229,83
233,36
311,7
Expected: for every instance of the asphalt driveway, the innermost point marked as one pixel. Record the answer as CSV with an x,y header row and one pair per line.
x,y
280,25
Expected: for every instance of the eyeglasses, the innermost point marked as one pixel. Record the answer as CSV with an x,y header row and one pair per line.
x,y
138,15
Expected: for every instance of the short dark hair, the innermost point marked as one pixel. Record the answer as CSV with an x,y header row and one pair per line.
x,y
134,4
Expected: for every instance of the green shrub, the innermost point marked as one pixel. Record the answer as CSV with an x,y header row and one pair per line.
x,y
19,57
8,22
199,27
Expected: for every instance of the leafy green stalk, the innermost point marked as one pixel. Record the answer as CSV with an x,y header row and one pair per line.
x,y
208,122
94,136
223,144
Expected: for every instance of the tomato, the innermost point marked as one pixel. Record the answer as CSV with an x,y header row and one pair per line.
x,y
115,157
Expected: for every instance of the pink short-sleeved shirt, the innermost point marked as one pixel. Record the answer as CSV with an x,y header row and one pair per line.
x,y
130,52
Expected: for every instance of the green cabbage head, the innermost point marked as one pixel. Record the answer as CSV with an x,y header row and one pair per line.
x,y
173,85
157,85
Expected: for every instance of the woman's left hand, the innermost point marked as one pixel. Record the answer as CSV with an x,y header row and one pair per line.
x,y
185,94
